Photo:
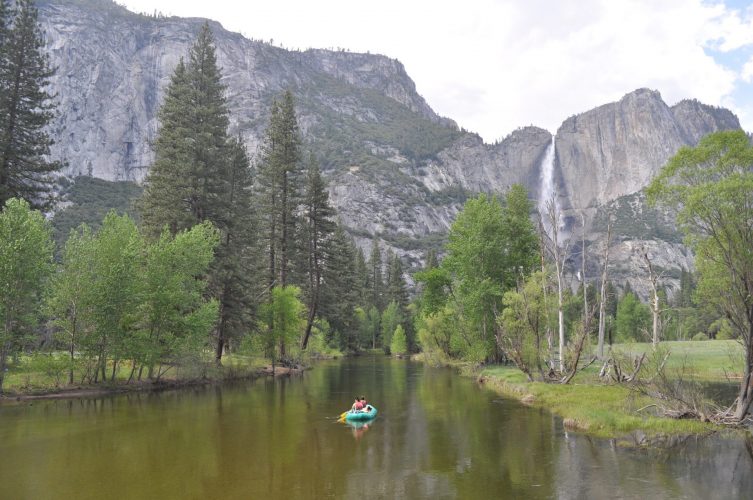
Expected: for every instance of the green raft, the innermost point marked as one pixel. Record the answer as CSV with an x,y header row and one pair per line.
x,y
360,416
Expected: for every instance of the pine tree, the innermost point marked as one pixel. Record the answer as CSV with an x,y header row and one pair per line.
x,y
279,174
165,200
188,182
339,297
397,292
26,108
376,280
362,280
396,289
200,174
318,230
235,268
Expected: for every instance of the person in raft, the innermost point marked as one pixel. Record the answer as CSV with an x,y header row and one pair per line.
x,y
364,405
357,405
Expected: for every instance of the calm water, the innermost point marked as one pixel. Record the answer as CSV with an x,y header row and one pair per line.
x,y
437,436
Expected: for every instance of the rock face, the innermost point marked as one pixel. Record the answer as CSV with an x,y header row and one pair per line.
x,y
397,171
616,149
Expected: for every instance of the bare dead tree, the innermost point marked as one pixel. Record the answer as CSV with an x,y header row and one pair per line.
x,y
559,254
654,280
603,293
578,350
542,253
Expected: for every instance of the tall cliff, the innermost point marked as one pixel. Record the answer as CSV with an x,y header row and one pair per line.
x,y
396,169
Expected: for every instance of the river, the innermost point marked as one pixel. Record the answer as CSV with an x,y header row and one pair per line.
x,y
437,435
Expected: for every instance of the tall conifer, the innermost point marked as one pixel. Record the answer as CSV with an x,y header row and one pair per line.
x,y
26,108
200,174
279,175
318,229
188,181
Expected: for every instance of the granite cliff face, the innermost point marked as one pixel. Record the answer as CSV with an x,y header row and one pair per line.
x,y
616,149
396,170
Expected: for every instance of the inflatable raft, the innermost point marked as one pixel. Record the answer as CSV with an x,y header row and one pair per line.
x,y
360,416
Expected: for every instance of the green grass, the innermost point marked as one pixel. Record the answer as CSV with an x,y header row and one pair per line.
x,y
710,360
598,409
43,374
611,410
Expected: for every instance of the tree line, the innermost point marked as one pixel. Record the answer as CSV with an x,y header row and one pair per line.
x,y
227,254
499,294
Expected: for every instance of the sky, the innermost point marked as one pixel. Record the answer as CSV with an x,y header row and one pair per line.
x,y
496,65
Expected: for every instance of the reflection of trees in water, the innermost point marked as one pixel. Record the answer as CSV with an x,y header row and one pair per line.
x,y
693,467
437,435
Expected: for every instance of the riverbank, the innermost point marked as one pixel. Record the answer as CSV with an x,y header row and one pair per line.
x,y
29,385
612,410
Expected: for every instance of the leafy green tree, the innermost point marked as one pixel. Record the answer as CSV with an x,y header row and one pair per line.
x,y
710,185
175,317
399,344
523,326
70,298
633,318
392,317
284,317
437,330
435,283
521,241
475,260
116,291
25,263
374,320
26,109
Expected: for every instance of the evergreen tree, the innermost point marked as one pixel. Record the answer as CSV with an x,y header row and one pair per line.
x,y
318,230
200,174
279,173
235,268
375,276
26,108
165,199
188,181
396,288
362,280
339,297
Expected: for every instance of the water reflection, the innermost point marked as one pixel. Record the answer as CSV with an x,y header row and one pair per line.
x,y
436,436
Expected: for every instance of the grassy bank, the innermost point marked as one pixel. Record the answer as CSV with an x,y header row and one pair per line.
x,y
610,410
47,375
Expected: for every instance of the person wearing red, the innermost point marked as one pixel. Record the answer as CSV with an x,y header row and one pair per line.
x,y
357,405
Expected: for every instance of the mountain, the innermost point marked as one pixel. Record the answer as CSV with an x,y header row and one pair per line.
x,y
396,170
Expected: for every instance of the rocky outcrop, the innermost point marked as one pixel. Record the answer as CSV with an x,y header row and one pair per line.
x,y
397,171
616,149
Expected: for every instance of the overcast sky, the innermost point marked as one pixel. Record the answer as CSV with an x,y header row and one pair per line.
x,y
495,65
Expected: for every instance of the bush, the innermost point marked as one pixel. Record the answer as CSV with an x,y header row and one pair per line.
x,y
700,336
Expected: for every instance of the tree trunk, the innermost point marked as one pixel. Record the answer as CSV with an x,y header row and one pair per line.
x,y
654,279
603,294
72,349
745,396
3,361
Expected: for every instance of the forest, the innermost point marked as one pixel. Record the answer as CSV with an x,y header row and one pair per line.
x,y
226,262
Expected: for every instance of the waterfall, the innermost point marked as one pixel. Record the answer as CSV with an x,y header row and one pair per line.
x,y
547,191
